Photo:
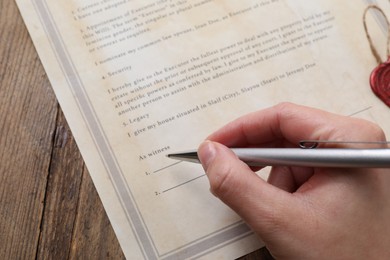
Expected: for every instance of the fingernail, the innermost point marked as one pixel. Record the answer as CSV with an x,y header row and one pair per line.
x,y
206,153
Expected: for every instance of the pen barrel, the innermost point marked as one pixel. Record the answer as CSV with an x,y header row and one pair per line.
x,y
324,157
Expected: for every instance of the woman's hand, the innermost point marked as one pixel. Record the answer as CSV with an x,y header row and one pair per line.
x,y
303,213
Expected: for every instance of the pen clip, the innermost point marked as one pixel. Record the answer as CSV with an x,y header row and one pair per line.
x,y
312,144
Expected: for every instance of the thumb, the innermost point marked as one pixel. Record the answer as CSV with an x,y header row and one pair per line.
x,y
263,206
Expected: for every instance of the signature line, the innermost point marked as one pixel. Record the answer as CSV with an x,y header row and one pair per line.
x,y
184,183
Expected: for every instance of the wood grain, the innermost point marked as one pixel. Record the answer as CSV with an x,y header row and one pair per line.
x,y
49,207
28,116
62,194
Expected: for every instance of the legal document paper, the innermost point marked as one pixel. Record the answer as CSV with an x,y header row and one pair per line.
x,y
140,79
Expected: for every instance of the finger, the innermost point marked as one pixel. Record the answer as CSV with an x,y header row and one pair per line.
x,y
241,189
282,178
288,124
289,178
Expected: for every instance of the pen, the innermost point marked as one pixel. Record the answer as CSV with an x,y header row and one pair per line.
x,y
321,157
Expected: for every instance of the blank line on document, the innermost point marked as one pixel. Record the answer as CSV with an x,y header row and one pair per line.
x,y
361,111
166,167
184,183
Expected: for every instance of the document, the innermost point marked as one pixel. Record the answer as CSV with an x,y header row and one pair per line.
x,y
140,79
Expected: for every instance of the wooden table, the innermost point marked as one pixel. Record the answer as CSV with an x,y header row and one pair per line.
x,y
49,207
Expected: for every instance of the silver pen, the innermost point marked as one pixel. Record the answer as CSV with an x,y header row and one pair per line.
x,y
321,157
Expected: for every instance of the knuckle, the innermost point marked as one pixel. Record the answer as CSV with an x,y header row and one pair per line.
x,y
223,181
371,131
377,132
285,106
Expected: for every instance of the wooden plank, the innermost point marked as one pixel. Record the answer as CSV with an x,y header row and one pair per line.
x,y
261,254
62,195
74,224
27,114
93,237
